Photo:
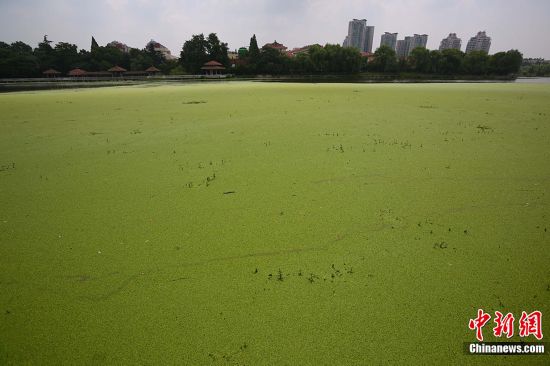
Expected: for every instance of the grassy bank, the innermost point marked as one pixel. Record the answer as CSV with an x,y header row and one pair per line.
x,y
265,224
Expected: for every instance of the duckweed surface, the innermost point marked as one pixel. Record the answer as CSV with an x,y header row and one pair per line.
x,y
271,224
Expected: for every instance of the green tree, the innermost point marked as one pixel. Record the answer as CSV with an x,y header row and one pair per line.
x,y
450,61
272,61
18,60
340,59
199,50
435,61
476,63
385,60
140,59
350,60
420,60
157,58
44,54
319,59
217,50
253,50
504,63
66,57
102,58
194,53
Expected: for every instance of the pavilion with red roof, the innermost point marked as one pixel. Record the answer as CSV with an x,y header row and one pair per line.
x,y
117,70
51,73
152,71
77,72
213,68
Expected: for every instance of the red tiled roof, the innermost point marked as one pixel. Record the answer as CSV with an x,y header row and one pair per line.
x,y
117,69
51,72
77,72
276,45
212,63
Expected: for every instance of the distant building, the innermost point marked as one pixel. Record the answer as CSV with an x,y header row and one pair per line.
x,y
359,35
451,42
232,55
369,37
389,39
346,42
405,46
368,55
481,42
243,51
121,46
534,61
278,46
160,48
419,40
295,51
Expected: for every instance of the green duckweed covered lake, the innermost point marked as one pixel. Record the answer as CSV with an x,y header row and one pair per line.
x,y
271,224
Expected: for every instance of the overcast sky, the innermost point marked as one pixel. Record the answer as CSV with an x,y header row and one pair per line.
x,y
519,24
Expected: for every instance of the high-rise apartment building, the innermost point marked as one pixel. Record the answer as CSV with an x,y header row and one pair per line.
x,y
405,46
481,42
389,39
451,42
359,35
419,40
369,37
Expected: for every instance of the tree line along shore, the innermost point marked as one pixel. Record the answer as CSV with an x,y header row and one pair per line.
x,y
20,60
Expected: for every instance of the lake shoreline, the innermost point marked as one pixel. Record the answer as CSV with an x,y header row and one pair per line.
x,y
35,84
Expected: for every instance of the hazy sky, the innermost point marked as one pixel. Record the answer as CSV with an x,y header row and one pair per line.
x,y
520,24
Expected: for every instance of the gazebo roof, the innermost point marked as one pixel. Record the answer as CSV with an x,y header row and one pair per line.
x,y
152,69
117,69
212,65
77,72
51,72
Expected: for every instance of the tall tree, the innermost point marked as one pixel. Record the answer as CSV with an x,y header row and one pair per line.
x,y
272,61
199,50
451,61
94,44
18,60
66,56
217,50
156,56
253,50
476,63
509,63
420,61
45,54
385,60
435,60
194,53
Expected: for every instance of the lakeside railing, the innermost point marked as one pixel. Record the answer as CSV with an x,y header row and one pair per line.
x,y
65,79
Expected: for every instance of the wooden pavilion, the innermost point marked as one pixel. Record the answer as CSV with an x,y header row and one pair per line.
x,y
77,73
51,73
213,68
117,71
152,71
